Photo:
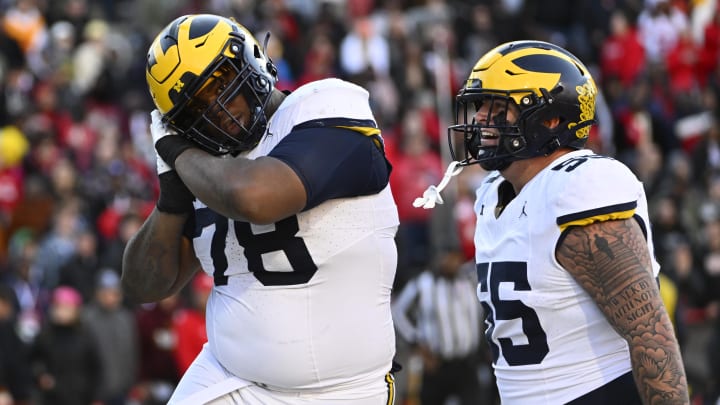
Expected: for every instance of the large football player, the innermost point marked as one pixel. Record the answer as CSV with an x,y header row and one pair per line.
x,y
284,200
564,251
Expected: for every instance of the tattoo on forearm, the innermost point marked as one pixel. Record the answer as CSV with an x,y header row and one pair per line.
x,y
143,276
154,276
634,301
610,260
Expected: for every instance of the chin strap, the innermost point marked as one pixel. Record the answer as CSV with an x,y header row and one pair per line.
x,y
431,196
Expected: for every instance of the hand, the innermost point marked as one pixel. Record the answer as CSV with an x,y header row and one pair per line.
x,y
159,130
168,144
175,197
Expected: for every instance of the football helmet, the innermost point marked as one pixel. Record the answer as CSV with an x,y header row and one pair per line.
x,y
543,81
194,52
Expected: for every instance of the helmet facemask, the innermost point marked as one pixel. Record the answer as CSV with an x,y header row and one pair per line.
x,y
511,140
525,137
215,126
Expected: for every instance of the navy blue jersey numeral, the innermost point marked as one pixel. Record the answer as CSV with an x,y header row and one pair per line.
x,y
283,238
572,163
490,275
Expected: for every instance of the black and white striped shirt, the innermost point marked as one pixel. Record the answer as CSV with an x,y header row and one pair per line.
x,y
441,313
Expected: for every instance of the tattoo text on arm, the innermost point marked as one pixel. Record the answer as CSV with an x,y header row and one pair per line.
x,y
610,260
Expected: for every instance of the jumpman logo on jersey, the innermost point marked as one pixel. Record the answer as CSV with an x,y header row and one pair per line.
x,y
523,213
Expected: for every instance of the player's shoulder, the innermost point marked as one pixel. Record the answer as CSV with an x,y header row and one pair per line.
x,y
327,103
587,163
318,102
329,85
585,171
582,181
329,98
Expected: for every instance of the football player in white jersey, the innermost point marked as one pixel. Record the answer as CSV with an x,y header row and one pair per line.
x,y
284,200
564,253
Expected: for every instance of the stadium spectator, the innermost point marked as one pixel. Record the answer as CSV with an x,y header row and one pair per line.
x,y
189,322
415,166
115,332
15,376
64,357
158,370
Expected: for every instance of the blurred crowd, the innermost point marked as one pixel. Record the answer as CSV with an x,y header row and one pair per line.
x,y
77,172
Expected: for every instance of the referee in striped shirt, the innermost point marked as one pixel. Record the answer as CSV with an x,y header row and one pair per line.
x,y
438,313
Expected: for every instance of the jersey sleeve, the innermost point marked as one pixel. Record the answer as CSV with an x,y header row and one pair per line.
x,y
335,159
595,189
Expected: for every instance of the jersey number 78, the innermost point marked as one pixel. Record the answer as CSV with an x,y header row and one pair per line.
x,y
282,238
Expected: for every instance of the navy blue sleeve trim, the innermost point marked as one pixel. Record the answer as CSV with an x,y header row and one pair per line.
x,y
335,122
335,161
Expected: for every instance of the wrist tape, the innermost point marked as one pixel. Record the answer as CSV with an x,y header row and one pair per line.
x,y
170,147
175,197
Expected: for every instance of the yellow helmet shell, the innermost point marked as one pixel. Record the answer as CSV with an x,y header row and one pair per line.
x,y
183,51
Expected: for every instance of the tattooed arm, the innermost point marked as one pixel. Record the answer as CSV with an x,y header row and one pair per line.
x,y
158,261
610,261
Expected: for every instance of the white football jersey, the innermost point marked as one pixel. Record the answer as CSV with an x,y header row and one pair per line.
x,y
304,303
550,342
